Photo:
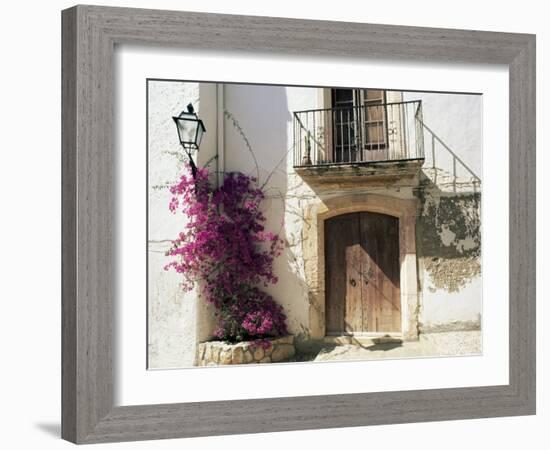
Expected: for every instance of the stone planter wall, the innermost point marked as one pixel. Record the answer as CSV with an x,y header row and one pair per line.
x,y
216,353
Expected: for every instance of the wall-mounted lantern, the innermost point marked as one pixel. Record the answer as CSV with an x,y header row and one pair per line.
x,y
190,132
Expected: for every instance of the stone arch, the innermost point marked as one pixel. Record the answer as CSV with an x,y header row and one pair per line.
x,y
314,254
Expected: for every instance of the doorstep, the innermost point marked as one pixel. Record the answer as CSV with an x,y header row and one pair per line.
x,y
363,339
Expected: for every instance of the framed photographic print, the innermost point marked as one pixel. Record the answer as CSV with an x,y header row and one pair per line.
x,y
342,230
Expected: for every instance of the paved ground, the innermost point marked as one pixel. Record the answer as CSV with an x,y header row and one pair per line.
x,y
434,344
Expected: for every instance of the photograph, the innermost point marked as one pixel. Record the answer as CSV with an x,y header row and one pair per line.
x,y
305,224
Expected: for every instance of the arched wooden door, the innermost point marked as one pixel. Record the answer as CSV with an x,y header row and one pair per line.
x,y
362,274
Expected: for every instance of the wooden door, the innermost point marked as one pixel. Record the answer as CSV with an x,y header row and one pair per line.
x,y
362,274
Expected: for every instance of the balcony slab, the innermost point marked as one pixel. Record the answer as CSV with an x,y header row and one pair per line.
x,y
363,174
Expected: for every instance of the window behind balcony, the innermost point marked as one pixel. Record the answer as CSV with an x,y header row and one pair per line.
x,y
359,124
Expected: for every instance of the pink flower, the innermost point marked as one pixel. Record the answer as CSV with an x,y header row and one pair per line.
x,y
225,245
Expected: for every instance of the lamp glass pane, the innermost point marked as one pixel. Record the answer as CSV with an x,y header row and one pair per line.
x,y
187,130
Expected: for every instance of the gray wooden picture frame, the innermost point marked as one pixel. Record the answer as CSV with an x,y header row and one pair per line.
x,y
88,270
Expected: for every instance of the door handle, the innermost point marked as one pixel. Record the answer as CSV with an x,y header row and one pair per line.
x,y
352,282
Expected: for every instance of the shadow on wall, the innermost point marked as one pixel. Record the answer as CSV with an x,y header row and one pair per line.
x,y
438,154
257,140
260,134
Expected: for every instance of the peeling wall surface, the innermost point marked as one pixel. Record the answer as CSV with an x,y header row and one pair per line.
x,y
259,118
449,260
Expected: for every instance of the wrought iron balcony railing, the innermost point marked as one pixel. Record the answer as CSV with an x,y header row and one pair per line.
x,y
359,134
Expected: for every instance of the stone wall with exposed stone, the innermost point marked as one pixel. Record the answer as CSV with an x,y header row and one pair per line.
x,y
449,252
214,353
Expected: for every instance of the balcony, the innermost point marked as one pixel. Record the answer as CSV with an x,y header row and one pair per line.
x,y
361,144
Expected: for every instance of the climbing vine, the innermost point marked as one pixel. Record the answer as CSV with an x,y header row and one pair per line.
x,y
226,247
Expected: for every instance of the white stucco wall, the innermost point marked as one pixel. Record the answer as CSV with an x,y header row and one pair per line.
x,y
457,121
172,324
177,321
442,310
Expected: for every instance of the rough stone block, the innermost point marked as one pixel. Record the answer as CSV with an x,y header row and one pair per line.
x,y
215,354
258,353
248,358
226,357
238,355
282,352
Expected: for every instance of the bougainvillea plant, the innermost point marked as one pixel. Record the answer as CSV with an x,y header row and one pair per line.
x,y
225,246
